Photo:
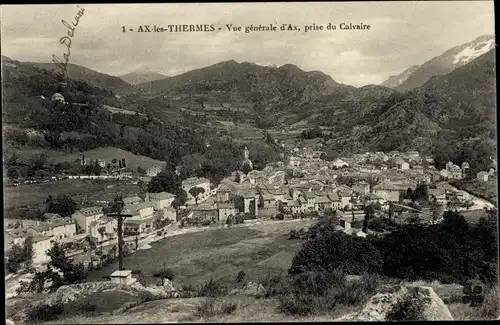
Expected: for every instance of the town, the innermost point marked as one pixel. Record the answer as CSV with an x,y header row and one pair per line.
x,y
400,187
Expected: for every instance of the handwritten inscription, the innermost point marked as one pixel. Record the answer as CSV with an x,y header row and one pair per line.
x,y
66,41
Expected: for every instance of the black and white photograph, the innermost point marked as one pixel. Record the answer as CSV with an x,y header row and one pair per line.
x,y
249,162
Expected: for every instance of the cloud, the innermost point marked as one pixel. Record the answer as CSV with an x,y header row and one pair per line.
x,y
402,34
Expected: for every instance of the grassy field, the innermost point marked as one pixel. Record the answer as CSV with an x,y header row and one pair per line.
x,y
80,190
485,190
107,153
217,254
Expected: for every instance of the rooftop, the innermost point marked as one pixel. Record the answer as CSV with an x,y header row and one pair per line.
x,y
121,274
193,181
91,210
161,196
131,199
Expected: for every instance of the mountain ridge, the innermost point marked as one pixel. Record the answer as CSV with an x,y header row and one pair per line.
x,y
138,77
448,61
92,77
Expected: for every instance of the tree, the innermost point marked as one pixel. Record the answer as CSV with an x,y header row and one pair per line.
x,y
369,211
102,231
15,256
164,273
195,191
63,205
12,173
334,250
40,162
168,181
246,168
409,194
96,168
239,203
60,271
420,193
435,210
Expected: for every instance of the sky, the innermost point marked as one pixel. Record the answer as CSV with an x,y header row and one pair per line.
x,y
401,34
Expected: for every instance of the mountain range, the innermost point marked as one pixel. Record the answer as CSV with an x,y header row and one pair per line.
x,y
443,64
139,77
449,98
93,78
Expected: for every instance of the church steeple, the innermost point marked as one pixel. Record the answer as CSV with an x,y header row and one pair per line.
x,y
246,158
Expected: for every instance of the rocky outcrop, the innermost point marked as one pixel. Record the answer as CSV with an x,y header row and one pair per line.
x,y
402,303
250,289
73,292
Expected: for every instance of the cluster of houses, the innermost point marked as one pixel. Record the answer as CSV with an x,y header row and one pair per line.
x,y
91,222
307,184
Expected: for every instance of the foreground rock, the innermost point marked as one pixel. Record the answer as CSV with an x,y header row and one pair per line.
x,y
80,292
402,303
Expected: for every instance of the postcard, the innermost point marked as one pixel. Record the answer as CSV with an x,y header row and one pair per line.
x,y
250,162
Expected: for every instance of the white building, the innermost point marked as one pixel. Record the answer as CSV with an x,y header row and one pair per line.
x,y
153,171
122,277
202,182
41,244
140,218
482,176
84,217
104,229
339,163
294,161
58,97
161,200
57,229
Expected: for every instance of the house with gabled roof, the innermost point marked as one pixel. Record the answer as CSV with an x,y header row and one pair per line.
x,y
160,200
225,210
323,202
85,216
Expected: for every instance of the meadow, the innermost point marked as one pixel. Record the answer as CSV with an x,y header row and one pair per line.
x,y
220,254
82,191
107,153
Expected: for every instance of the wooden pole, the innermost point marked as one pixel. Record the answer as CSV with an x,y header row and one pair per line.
x,y
120,241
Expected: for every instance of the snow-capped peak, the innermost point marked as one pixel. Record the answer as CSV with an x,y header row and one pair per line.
x,y
473,51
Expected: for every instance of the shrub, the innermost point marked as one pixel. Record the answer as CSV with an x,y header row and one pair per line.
x,y
353,255
353,294
164,273
87,306
212,307
240,277
490,307
408,308
145,296
275,284
44,312
212,288
293,234
304,304
188,287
